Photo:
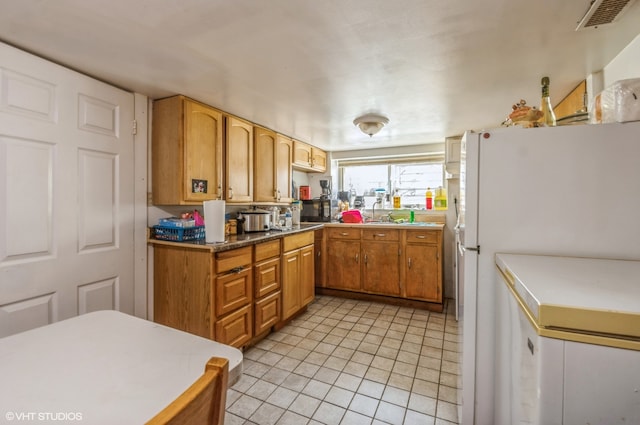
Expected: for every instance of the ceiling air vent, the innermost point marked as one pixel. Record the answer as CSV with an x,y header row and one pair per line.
x,y
603,12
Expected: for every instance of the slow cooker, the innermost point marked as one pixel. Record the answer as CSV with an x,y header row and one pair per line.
x,y
256,220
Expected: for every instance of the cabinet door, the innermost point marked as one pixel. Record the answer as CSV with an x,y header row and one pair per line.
x,y
203,152
181,296
381,268
186,152
264,178
290,283
284,155
239,164
307,273
423,273
266,312
343,264
236,328
267,277
301,154
318,160
233,291
319,252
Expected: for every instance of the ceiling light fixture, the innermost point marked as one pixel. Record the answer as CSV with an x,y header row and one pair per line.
x,y
370,124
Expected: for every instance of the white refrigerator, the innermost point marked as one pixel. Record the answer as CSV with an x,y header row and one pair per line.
x,y
572,191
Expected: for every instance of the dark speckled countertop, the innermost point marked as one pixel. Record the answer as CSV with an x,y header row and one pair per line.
x,y
239,241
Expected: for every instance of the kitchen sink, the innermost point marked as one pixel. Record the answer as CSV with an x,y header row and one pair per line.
x,y
387,223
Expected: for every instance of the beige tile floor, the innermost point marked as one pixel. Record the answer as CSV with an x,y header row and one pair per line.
x,y
352,362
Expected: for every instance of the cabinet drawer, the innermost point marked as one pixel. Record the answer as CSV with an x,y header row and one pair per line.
x,y
267,250
266,277
343,233
232,259
297,241
381,234
266,312
232,291
422,236
235,329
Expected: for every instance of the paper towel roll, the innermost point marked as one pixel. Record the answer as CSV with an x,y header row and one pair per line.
x,y
213,221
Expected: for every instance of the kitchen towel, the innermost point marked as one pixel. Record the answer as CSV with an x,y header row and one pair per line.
x,y
213,221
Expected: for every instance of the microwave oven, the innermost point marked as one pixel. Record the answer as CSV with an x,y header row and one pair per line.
x,y
315,210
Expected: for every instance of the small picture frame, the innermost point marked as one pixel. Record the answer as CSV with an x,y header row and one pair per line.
x,y
198,186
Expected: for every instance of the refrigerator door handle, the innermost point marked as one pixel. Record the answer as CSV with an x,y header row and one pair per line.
x,y
472,248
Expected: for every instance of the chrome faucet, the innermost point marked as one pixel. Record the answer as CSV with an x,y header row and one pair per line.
x,y
373,209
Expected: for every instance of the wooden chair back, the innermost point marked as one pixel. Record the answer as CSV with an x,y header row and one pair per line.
x,y
203,403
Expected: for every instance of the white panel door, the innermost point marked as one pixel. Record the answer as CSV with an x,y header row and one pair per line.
x,y
66,194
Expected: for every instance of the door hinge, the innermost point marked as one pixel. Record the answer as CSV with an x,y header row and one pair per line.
x,y
134,127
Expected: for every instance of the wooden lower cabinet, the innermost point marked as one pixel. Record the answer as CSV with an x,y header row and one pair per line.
x,y
266,313
267,287
319,262
400,263
422,273
307,275
343,264
423,265
381,269
235,328
232,291
182,289
291,301
234,297
298,287
343,258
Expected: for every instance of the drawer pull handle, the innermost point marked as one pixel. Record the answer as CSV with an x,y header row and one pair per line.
x,y
409,262
237,269
420,236
380,235
357,258
344,234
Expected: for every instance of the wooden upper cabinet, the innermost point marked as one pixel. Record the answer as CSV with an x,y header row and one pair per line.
x,y
186,152
264,177
239,160
301,154
318,160
309,158
272,166
284,156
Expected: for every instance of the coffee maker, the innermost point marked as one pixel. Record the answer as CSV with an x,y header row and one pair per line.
x,y
326,189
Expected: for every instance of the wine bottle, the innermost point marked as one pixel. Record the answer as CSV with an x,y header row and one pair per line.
x,y
548,117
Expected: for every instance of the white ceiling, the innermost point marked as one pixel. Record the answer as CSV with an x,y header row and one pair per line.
x,y
308,68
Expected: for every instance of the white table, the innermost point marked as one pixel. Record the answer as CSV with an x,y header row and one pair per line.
x,y
107,367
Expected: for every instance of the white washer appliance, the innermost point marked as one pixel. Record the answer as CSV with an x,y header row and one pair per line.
x,y
567,341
